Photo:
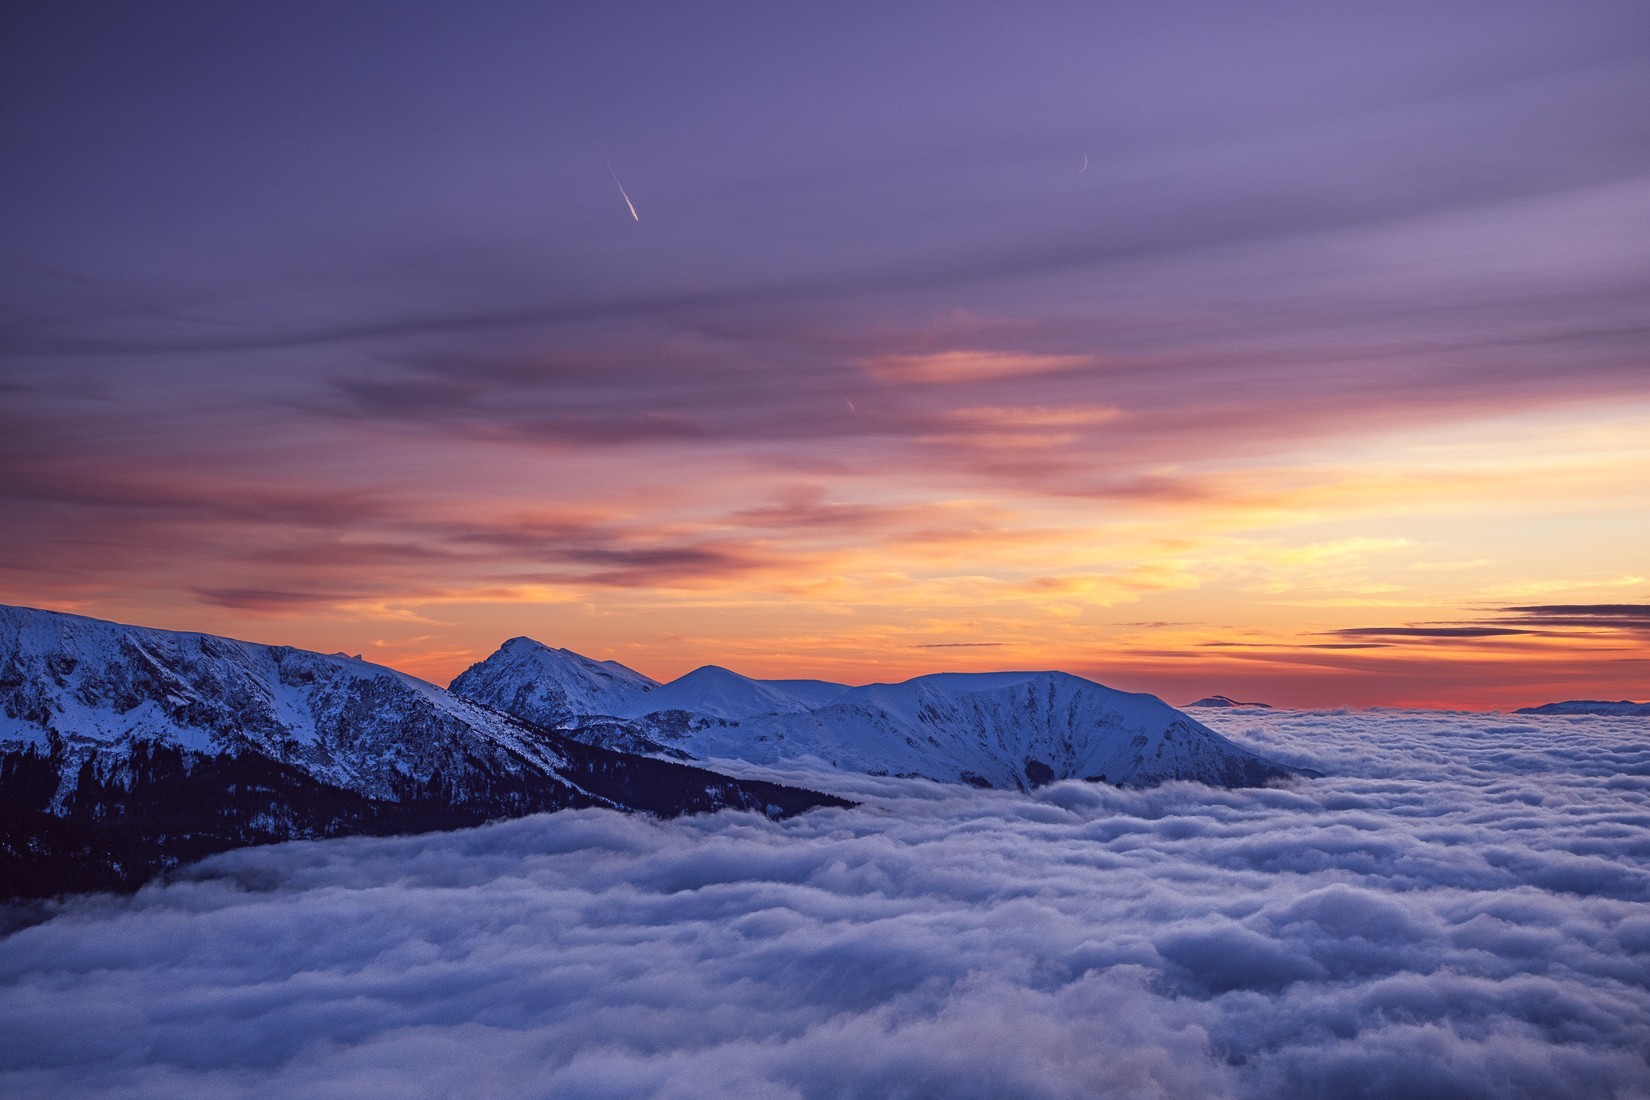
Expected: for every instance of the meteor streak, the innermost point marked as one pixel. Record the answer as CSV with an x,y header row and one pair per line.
x,y
622,193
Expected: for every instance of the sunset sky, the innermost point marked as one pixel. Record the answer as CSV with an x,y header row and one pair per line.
x,y
1297,352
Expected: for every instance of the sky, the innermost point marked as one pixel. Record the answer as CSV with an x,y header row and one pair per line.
x,y
1296,352
1457,910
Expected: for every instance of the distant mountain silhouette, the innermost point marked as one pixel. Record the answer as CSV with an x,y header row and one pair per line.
x,y
1224,701
1590,706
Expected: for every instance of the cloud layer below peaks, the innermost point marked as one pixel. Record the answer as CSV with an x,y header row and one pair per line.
x,y
1458,910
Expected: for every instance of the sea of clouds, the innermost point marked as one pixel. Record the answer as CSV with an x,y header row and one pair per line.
x,y
1458,909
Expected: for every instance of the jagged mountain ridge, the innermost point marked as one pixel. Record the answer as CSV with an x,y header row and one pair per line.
x,y
341,720
1012,729
110,732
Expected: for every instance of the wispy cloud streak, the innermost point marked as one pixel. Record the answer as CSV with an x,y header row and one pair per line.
x,y
1355,269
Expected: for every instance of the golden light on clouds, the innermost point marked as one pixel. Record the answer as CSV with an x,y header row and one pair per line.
x,y
973,522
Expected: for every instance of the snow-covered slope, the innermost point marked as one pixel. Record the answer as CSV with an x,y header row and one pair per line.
x,y
344,721
551,687
1591,706
125,749
1004,729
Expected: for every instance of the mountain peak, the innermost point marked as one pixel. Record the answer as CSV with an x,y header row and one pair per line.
x,y
550,687
712,674
719,692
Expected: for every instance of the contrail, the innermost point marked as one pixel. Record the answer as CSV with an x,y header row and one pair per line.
x,y
1080,171
622,193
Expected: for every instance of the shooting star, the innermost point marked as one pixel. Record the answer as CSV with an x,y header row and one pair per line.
x,y
622,193
1085,167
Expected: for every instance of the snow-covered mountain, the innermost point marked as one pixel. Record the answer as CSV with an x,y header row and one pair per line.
x,y
1006,729
202,743
560,688
1591,706
341,720
716,692
551,687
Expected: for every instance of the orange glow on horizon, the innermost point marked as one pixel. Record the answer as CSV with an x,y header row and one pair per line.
x,y
1191,579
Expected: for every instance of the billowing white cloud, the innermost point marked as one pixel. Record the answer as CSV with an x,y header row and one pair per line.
x,y
1457,910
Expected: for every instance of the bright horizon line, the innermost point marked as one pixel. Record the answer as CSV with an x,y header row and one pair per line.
x,y
360,653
